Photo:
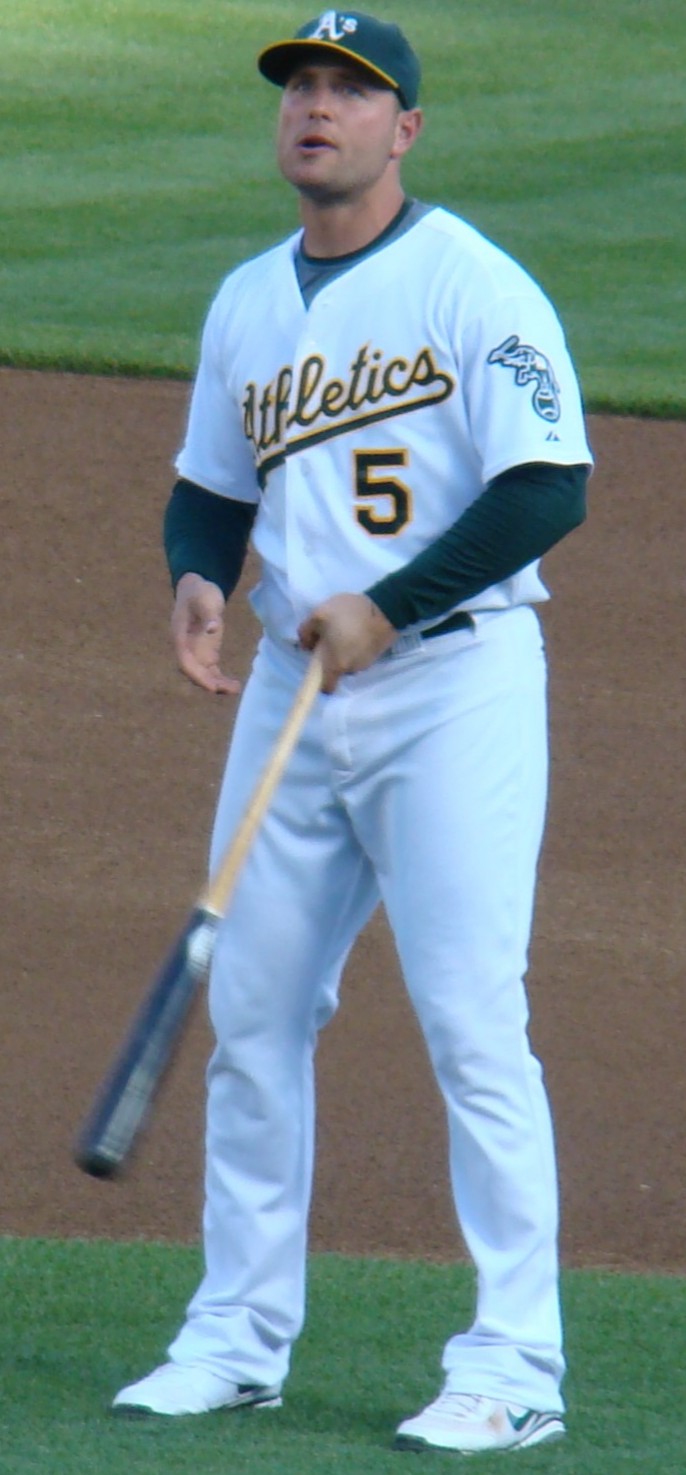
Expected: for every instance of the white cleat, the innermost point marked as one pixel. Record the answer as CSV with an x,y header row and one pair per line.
x,y
468,1423
173,1390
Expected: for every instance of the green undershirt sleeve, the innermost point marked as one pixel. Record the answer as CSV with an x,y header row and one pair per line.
x,y
519,516
206,534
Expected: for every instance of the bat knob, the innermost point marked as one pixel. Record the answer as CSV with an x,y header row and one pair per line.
x,y
96,1164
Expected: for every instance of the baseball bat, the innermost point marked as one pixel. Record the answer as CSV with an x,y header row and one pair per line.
x,y
122,1103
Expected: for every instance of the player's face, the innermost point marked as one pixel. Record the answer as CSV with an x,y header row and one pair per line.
x,y
338,132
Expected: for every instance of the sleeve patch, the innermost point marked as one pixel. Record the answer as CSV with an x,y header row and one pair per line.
x,y
530,367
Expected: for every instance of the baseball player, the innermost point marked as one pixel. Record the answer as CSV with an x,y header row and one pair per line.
x,y
385,404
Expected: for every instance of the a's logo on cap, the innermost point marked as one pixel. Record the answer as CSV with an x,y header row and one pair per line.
x,y
333,26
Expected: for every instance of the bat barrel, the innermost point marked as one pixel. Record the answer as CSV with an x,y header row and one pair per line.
x,y
123,1101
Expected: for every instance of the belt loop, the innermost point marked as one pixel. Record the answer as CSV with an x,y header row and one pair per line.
x,y
404,644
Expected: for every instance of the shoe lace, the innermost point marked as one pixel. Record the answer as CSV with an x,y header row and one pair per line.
x,y
460,1405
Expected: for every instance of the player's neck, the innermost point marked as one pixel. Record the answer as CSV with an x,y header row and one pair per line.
x,y
337,228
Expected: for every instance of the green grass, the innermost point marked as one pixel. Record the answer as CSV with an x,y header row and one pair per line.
x,y
137,169
80,1319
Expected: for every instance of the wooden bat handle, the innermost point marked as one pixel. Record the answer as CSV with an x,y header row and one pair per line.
x,y
216,897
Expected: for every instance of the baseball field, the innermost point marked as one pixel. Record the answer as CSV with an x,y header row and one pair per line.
x,y
136,170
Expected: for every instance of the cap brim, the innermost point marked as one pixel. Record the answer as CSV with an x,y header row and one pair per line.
x,y
277,62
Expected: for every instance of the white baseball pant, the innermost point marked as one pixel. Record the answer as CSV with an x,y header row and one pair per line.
x,y
420,782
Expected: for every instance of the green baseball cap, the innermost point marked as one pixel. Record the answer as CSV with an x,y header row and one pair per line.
x,y
378,46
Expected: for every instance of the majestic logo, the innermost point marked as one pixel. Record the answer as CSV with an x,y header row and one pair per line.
x,y
295,410
333,27
531,367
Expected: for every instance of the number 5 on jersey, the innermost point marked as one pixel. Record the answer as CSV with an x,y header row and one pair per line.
x,y
383,503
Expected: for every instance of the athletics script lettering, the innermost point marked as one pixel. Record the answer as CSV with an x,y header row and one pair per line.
x,y
285,414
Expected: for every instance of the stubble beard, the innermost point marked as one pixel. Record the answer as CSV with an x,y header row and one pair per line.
x,y
327,195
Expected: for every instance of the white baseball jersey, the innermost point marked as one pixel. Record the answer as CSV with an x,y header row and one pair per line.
x,y
367,424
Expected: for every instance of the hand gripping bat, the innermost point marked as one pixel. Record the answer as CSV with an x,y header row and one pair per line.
x,y
123,1101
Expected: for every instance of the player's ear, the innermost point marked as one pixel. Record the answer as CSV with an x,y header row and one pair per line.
x,y
409,125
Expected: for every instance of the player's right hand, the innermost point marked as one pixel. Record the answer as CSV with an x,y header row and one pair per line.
x,y
197,628
350,631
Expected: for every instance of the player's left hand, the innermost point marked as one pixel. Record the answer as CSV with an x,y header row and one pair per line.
x,y
351,633
197,627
